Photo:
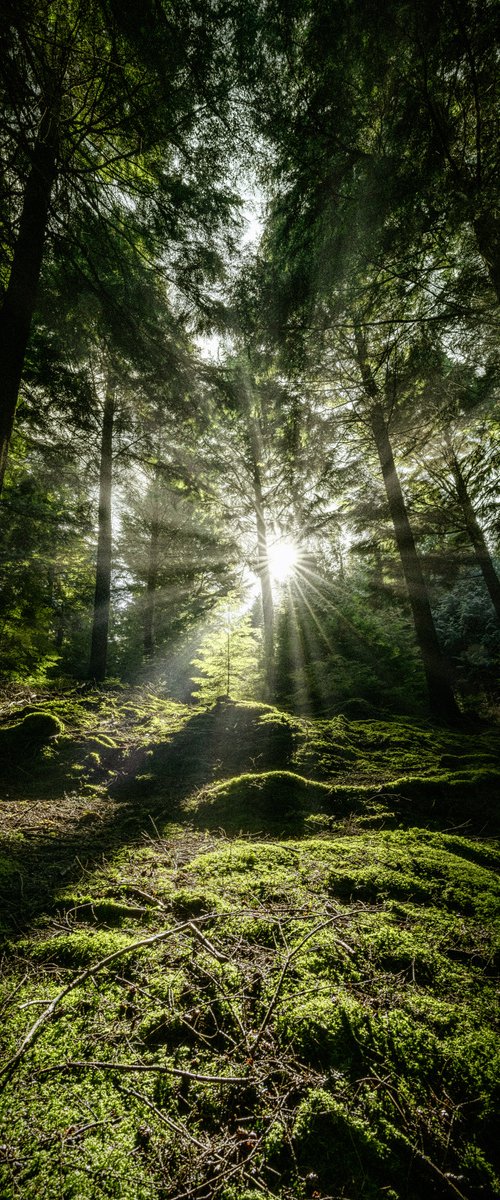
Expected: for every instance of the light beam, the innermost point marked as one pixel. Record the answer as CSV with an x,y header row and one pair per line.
x,y
283,555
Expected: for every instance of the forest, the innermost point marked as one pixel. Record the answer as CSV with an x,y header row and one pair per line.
x,y
249,599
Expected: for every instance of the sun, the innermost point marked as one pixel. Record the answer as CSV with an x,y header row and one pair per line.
x,y
283,555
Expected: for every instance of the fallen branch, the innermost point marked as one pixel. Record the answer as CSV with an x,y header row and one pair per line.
x,y
206,944
177,1128
7,1071
163,1068
289,958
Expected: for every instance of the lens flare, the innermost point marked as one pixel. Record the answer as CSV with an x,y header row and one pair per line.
x,y
283,555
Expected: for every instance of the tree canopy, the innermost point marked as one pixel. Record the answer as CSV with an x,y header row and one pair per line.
x,y
349,410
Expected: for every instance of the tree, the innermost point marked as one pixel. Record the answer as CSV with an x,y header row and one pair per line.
x,y
385,121
338,267
339,651
442,117
100,116
228,659
248,401
102,597
457,458
473,527
177,560
45,558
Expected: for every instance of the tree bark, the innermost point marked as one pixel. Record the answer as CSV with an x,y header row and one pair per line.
x,y
255,441
476,536
152,579
100,623
263,559
20,298
265,584
441,698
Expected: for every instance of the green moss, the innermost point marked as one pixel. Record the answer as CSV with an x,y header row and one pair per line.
x,y
110,911
379,865
77,949
195,902
9,869
336,1146
256,800
100,743
362,959
479,1169
29,734
324,1030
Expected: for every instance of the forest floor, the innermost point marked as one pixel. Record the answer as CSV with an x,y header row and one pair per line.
x,y
245,954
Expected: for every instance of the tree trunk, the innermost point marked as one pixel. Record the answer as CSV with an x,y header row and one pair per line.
x,y
476,536
263,562
442,701
20,298
254,437
266,593
100,624
152,579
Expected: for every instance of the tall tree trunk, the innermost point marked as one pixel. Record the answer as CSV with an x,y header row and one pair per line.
x,y
476,534
263,558
265,584
442,701
152,578
100,623
20,298
255,441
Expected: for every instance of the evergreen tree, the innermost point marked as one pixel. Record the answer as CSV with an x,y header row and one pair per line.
x,y
228,662
107,108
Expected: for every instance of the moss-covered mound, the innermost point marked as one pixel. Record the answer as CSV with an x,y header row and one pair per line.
x,y
223,740
284,803
293,1019
190,1012
272,800
28,734
143,748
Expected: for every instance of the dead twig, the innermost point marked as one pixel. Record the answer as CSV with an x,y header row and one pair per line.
x,y
7,1071
289,958
174,1125
205,943
162,1068
427,1162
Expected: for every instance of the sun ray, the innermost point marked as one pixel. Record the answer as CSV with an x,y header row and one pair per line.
x,y
317,622
283,556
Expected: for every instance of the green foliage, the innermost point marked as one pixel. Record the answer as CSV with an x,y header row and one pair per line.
x,y
471,636
46,565
346,647
228,658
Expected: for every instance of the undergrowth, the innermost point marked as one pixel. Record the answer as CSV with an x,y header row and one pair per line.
x,y
229,1005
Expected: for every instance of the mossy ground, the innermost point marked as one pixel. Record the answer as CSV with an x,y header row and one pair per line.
x,y
311,1014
